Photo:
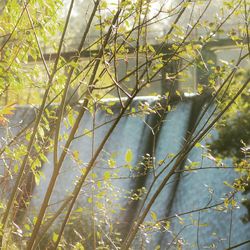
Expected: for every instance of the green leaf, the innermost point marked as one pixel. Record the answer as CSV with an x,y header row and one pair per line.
x,y
37,179
94,175
34,220
75,155
151,48
71,119
55,237
79,210
153,216
41,132
99,205
109,111
99,184
101,194
111,163
16,168
106,175
87,132
79,246
129,156
133,110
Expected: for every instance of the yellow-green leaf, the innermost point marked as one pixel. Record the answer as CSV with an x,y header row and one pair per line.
x,y
55,237
153,215
106,175
129,156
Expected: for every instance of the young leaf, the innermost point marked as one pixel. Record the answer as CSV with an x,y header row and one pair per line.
x,y
153,216
106,175
129,156
54,237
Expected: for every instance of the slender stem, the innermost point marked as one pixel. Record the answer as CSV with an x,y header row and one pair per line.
x,y
239,245
32,139
58,164
78,187
188,147
68,81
